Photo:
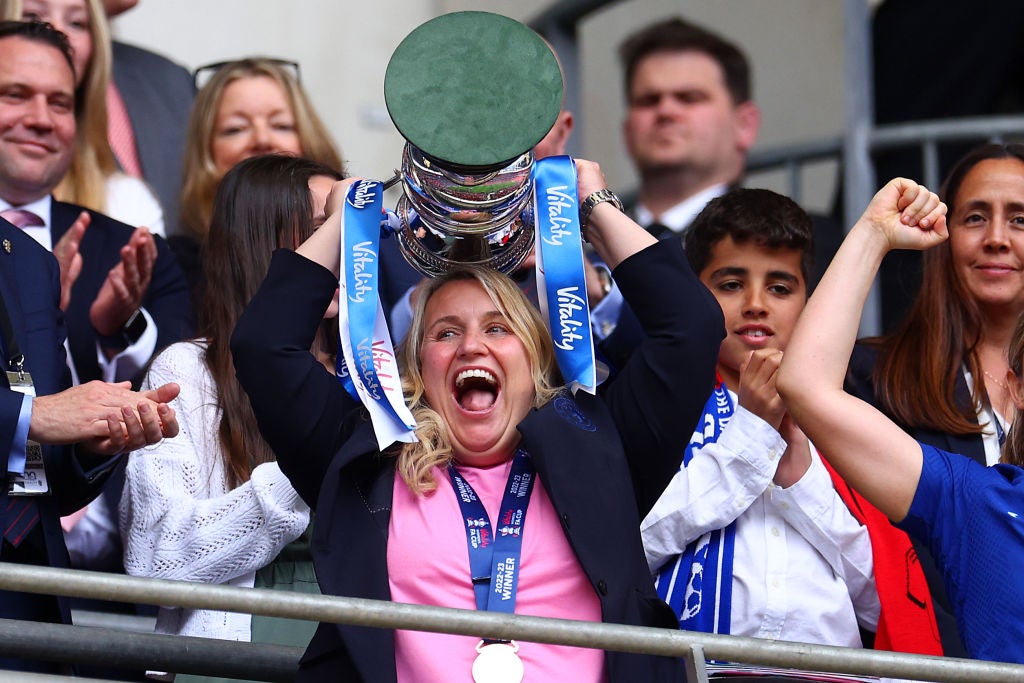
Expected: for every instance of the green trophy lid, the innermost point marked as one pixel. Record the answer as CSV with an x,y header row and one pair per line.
x,y
473,89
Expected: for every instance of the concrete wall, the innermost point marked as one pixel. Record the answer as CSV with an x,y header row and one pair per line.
x,y
795,46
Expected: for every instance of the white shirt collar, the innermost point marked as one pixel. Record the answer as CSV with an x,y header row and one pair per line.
x,y
44,209
679,217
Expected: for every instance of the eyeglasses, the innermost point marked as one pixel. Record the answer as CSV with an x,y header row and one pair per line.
x,y
202,75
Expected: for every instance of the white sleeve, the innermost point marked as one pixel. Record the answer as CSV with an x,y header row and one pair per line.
x,y
130,201
814,508
177,518
722,480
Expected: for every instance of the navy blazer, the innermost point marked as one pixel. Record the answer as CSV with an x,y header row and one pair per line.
x,y
30,287
860,383
166,300
158,95
603,460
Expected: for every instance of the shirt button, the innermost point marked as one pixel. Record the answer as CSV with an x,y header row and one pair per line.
x,y
785,506
775,583
772,453
565,519
775,531
602,587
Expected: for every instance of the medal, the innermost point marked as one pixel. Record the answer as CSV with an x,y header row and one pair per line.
x,y
497,663
495,553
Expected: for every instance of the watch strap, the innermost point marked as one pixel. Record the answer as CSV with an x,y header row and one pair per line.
x,y
595,198
129,334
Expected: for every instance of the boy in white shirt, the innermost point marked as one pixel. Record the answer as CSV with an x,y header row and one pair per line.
x,y
751,538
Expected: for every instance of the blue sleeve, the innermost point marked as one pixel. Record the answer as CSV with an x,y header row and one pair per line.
x,y
938,515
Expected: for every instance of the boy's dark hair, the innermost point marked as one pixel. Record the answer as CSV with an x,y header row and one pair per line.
x,y
767,218
39,32
677,35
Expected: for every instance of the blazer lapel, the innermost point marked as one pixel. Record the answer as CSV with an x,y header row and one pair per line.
x,y
9,292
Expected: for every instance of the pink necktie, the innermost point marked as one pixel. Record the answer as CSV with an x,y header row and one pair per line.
x,y
120,133
22,218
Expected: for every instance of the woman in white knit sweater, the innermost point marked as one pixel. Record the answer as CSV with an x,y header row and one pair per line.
x,y
212,505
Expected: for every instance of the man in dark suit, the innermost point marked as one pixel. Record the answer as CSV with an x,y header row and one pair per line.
x,y
106,419
122,291
157,96
124,295
690,121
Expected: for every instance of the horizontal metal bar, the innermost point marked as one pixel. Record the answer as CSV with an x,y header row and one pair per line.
x,y
142,651
25,677
945,130
383,614
121,622
911,134
803,152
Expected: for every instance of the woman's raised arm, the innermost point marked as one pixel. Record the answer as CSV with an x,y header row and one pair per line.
x,y
870,451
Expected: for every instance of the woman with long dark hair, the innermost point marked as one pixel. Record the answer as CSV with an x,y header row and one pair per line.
x,y
966,514
941,374
213,506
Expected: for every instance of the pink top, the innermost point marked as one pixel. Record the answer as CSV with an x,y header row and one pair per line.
x,y
428,564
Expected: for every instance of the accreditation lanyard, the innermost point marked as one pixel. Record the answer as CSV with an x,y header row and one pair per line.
x,y
495,551
27,477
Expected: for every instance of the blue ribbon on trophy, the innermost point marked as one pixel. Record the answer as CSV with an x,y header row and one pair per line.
x,y
561,284
369,367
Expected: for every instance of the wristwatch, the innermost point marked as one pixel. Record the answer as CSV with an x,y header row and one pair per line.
x,y
129,334
595,198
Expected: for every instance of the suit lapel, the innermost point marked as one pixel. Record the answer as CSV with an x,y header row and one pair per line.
x,y
61,217
9,292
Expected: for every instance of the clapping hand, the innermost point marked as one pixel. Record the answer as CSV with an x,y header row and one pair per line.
x,y
126,284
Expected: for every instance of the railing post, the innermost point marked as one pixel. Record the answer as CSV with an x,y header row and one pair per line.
x,y
858,173
693,661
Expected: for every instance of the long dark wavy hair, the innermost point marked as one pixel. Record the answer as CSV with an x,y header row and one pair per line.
x,y
262,204
920,361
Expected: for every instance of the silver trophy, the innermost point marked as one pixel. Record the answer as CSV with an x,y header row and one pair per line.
x,y
472,93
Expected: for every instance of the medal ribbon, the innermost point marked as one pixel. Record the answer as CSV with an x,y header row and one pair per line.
x,y
495,551
365,340
562,287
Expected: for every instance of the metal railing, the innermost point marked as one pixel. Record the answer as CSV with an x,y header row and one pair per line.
x,y
176,653
858,177
926,135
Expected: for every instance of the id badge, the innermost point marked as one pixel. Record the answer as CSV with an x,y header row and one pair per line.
x,y
33,481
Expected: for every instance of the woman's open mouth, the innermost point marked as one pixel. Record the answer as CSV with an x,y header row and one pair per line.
x,y
476,389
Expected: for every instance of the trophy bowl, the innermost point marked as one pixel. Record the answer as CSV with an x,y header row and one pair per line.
x,y
472,93
449,218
